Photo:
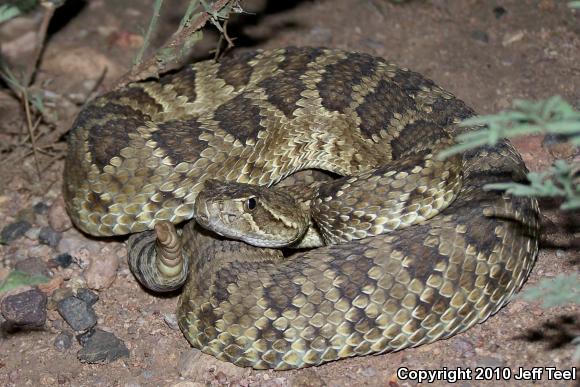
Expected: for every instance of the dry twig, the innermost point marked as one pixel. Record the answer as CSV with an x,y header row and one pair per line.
x,y
178,45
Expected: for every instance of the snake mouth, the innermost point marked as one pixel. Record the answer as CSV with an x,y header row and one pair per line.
x,y
201,214
209,220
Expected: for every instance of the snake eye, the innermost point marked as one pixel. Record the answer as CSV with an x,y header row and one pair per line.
x,y
251,203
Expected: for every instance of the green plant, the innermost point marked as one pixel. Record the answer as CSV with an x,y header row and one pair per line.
x,y
13,9
17,279
179,46
554,116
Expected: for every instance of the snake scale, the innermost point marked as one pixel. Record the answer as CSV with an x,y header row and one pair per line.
x,y
440,256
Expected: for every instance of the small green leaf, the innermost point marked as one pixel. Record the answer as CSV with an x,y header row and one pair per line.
x,y
17,279
8,12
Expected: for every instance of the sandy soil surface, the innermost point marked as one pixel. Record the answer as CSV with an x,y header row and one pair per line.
x,y
486,52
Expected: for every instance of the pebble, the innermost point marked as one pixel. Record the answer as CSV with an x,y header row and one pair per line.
x,y
34,266
512,37
57,296
63,260
63,341
14,230
87,296
102,347
47,380
24,310
499,11
32,233
40,208
77,313
49,236
171,321
102,270
58,219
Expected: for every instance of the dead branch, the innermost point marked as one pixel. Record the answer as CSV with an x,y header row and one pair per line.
x,y
172,53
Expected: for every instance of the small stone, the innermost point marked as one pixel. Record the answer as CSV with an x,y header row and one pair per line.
x,y
102,347
102,270
32,233
57,296
87,296
512,37
480,35
48,236
63,260
77,313
40,208
24,310
171,321
63,341
34,266
499,11
47,380
14,230
57,216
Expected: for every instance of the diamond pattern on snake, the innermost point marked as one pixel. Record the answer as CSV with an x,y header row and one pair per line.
x,y
390,247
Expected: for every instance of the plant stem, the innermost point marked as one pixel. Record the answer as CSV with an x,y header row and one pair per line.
x,y
150,29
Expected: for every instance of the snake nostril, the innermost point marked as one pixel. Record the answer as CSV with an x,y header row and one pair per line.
x,y
231,217
203,217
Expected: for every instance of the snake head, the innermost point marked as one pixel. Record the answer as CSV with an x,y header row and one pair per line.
x,y
260,216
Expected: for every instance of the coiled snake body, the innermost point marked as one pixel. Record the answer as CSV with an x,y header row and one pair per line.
x,y
416,249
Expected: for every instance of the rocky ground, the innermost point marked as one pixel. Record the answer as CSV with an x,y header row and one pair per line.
x,y
92,324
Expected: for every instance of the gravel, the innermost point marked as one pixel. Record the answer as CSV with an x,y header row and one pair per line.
x,y
87,296
14,230
63,341
77,313
49,236
101,347
24,310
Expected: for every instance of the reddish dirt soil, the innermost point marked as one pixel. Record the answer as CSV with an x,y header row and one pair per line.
x,y
488,53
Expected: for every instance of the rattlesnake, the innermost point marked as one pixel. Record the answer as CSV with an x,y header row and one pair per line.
x,y
139,157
